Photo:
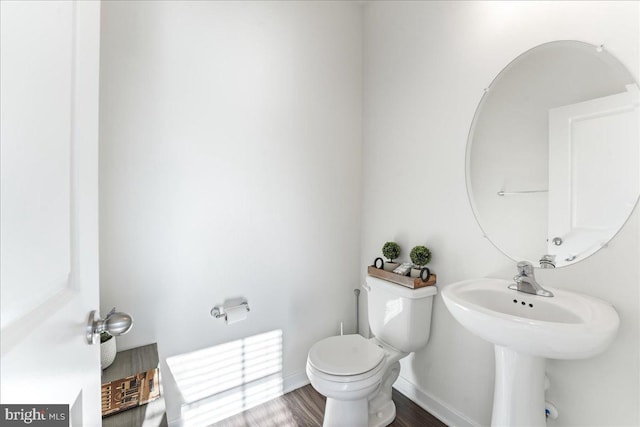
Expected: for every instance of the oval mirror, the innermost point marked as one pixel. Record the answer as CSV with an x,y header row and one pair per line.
x,y
552,163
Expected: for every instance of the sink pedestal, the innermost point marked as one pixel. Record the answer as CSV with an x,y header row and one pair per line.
x,y
518,398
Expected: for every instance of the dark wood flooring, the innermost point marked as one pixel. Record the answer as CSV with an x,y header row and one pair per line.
x,y
305,406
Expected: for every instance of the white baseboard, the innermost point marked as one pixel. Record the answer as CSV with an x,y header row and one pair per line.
x,y
431,404
294,381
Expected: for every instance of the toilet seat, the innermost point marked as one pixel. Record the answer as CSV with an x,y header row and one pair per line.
x,y
346,356
374,374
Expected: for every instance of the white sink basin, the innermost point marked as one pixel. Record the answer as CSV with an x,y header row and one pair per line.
x,y
526,330
568,325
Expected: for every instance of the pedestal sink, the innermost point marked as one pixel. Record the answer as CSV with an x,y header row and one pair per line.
x,y
525,330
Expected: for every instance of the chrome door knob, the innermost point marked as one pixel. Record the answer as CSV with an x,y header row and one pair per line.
x,y
115,323
118,323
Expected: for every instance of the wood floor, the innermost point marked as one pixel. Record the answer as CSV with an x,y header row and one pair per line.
x,y
305,406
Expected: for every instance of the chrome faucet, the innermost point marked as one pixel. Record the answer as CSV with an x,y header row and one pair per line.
x,y
526,282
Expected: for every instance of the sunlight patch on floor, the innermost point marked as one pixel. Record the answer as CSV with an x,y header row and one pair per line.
x,y
226,379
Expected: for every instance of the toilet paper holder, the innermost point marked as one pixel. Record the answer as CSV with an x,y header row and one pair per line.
x,y
219,311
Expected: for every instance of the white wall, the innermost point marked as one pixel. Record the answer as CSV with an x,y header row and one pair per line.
x,y
230,166
425,67
231,140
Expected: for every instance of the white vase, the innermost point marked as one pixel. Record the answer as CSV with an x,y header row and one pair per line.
x,y
107,353
390,266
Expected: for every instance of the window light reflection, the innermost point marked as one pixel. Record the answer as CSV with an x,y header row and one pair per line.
x,y
223,380
392,309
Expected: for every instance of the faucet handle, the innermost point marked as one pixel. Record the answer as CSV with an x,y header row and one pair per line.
x,y
525,268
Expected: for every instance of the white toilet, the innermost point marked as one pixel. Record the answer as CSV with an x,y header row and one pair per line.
x,y
355,373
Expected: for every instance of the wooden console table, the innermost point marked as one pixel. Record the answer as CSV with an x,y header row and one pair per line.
x,y
131,362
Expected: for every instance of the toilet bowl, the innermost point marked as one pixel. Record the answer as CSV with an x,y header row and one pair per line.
x,y
348,370
345,367
356,374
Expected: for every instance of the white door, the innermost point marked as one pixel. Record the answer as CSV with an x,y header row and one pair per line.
x,y
49,205
593,173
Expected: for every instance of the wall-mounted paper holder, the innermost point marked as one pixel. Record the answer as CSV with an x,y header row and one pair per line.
x,y
220,311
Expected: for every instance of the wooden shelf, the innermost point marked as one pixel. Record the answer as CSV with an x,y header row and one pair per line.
x,y
409,282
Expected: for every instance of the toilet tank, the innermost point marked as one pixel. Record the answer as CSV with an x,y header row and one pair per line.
x,y
400,316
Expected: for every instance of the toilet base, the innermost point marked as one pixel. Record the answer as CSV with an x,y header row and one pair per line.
x,y
385,415
340,413
354,413
382,410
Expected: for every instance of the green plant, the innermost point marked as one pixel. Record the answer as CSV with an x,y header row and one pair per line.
x,y
391,250
420,256
105,336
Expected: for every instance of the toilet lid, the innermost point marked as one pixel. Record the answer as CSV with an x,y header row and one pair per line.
x,y
345,355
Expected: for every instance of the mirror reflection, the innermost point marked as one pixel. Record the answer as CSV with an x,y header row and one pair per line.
x,y
553,153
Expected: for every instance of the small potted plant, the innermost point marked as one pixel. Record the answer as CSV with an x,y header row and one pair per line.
x,y
420,256
391,250
107,349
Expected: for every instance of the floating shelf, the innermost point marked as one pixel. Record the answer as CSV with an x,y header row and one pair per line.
x,y
409,282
